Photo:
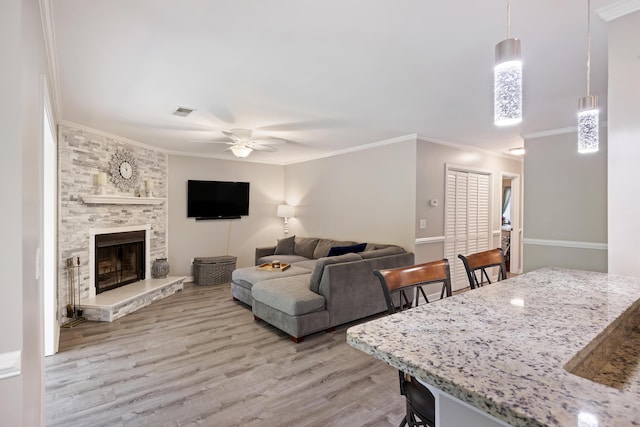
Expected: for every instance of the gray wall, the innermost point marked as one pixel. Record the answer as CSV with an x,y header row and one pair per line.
x,y
431,163
188,238
565,203
365,196
23,66
624,144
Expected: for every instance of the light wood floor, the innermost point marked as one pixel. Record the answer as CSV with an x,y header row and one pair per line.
x,y
198,358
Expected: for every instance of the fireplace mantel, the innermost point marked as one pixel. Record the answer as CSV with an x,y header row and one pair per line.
x,y
100,199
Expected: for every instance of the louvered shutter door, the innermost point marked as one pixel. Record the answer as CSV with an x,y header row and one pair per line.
x,y
467,220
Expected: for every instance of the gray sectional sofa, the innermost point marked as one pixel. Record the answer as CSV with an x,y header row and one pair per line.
x,y
318,292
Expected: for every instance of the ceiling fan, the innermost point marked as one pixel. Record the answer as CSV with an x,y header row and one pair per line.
x,y
243,144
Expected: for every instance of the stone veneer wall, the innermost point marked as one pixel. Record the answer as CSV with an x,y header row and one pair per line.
x,y
82,154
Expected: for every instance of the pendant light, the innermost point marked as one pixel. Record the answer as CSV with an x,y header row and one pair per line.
x,y
588,133
507,80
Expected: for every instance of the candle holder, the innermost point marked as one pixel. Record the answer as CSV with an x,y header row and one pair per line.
x,y
148,186
101,180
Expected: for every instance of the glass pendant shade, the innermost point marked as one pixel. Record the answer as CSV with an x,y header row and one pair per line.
x,y
588,118
507,87
241,150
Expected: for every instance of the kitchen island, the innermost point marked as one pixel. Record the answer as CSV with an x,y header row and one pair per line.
x,y
552,347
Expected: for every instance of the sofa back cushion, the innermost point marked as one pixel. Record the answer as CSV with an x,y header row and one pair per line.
x,y
305,246
285,246
325,245
389,250
318,269
341,250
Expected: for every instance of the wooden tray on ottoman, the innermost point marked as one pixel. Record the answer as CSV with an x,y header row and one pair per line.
x,y
267,267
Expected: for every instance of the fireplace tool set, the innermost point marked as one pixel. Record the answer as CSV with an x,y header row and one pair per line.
x,y
74,312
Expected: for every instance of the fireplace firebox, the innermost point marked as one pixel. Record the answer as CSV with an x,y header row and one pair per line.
x,y
119,259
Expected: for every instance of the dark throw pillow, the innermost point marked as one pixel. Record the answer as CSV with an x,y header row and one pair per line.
x,y
285,246
341,250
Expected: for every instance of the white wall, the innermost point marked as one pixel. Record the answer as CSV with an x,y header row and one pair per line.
x,y
624,144
365,196
565,203
188,238
21,118
10,214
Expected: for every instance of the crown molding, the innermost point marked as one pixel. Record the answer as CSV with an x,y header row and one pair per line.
x,y
404,138
618,9
83,128
469,147
46,13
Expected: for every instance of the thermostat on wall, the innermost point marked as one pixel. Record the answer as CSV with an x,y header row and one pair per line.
x,y
433,202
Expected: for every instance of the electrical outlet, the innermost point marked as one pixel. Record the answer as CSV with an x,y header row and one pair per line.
x,y
423,224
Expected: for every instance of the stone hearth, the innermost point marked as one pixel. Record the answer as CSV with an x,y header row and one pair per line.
x,y
111,305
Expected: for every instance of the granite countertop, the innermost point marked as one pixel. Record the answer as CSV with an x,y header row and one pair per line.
x,y
504,348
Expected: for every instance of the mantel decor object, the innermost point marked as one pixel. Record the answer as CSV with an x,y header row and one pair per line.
x,y
160,268
124,170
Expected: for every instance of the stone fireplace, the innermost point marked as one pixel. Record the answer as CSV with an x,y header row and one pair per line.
x,y
82,154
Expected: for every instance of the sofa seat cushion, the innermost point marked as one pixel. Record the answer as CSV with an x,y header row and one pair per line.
x,y
308,264
249,276
287,259
290,295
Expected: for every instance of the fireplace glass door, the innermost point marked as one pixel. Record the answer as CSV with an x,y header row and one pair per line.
x,y
119,259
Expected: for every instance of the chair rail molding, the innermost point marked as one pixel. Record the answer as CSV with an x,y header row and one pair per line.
x,y
567,244
427,240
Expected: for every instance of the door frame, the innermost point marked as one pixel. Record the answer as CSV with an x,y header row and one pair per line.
x,y
516,220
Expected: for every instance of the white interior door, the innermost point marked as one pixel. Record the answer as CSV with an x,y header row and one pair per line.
x,y
466,220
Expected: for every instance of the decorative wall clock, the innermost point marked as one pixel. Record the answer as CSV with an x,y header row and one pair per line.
x,y
123,170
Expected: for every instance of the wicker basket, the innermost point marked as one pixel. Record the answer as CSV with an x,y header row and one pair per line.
x,y
213,270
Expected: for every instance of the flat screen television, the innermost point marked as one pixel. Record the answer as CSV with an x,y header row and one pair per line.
x,y
217,199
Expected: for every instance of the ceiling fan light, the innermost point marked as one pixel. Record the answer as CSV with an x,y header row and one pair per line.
x,y
241,151
507,83
588,126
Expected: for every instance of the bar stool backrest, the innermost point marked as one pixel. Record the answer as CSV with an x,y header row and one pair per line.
x,y
400,280
478,263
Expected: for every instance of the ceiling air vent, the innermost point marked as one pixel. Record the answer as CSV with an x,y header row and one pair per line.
x,y
183,112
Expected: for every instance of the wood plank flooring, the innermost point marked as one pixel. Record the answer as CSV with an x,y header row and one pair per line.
x,y
198,358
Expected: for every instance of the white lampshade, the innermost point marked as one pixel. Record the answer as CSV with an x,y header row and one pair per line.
x,y
240,150
285,211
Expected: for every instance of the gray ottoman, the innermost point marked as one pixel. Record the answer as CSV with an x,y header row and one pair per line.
x,y
243,279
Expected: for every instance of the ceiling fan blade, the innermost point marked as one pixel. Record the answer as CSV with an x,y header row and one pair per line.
x,y
209,141
263,147
269,141
241,134
232,136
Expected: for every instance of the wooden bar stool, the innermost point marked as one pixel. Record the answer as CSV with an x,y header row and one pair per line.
x,y
481,261
398,281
